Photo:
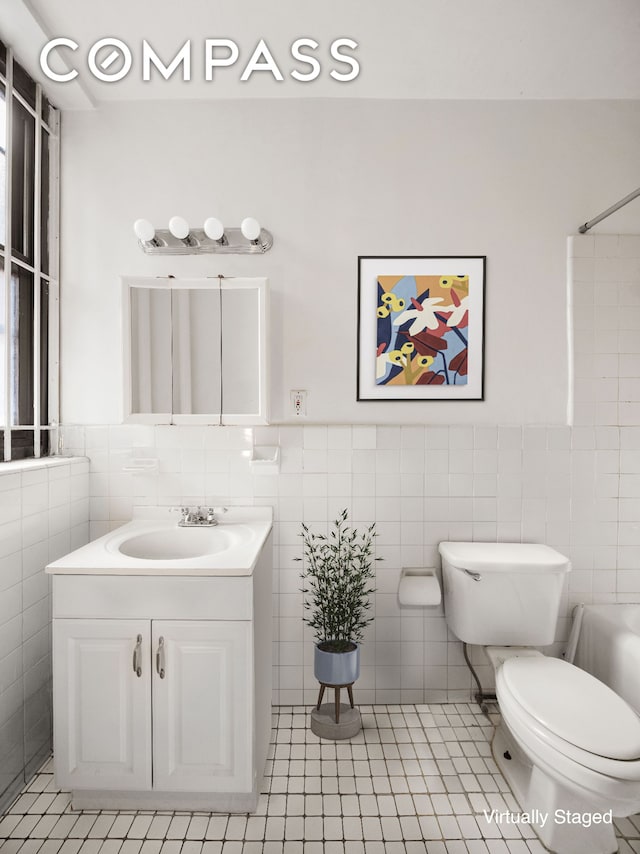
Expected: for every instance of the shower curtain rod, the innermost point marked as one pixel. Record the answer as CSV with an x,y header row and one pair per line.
x,y
634,195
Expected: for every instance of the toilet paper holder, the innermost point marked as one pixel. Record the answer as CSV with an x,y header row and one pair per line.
x,y
419,587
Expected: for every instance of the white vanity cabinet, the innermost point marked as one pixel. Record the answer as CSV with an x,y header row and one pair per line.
x,y
201,705
103,710
162,688
160,703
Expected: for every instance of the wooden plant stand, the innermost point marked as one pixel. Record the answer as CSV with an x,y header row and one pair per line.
x,y
336,688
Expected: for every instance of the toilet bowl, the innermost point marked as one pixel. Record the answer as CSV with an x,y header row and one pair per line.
x,y
549,705
570,749
568,746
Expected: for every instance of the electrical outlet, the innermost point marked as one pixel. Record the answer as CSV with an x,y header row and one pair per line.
x,y
299,402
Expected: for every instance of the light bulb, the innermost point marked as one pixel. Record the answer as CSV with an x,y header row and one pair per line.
x,y
179,227
144,231
250,228
213,228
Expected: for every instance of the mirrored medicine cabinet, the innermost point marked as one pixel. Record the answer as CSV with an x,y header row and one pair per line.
x,y
195,350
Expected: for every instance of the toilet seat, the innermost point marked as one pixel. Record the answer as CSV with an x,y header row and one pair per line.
x,y
557,695
539,736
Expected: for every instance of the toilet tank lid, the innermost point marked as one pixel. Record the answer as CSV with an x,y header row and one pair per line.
x,y
504,557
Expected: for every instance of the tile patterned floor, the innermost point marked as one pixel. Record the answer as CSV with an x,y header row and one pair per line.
x,y
415,781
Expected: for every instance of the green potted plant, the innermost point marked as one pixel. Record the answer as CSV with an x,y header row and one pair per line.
x,y
337,575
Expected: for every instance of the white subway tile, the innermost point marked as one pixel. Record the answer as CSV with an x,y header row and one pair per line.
x,y
35,557
606,245
629,389
388,438
583,270
59,472
79,535
314,460
485,532
314,484
485,438
582,246
436,437
363,437
628,581
629,413
629,534
10,603
606,413
314,508
461,484
290,436
461,462
508,532
629,317
121,509
458,531
509,438
290,509
364,461
412,437
10,505
625,342
34,589
484,509
485,461
629,293
315,437
389,485
34,618
339,437
363,484
387,461
339,485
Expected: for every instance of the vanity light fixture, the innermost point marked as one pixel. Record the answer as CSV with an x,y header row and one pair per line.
x,y
146,233
179,239
250,229
214,230
179,227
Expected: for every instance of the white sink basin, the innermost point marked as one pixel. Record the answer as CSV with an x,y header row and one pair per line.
x,y
179,543
153,544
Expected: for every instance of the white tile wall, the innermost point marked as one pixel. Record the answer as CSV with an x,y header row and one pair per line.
x,y
606,299
44,512
576,489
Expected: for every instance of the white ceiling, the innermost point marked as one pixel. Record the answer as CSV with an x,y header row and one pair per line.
x,y
461,49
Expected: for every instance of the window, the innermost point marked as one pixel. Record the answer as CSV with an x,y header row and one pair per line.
x,y
28,263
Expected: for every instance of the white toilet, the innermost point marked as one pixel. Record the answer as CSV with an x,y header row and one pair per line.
x,y
568,746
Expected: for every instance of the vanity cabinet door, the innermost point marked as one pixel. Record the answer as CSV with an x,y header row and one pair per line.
x,y
202,706
102,706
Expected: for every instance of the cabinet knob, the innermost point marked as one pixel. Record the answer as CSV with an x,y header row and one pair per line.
x,y
160,662
137,657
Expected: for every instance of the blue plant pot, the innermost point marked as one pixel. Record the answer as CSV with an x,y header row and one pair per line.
x,y
336,668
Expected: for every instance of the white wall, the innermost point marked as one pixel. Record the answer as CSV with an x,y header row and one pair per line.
x,y
333,180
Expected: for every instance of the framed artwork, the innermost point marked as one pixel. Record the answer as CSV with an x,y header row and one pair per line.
x,y
421,327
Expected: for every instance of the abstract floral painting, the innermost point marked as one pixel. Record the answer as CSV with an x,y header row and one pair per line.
x,y
421,324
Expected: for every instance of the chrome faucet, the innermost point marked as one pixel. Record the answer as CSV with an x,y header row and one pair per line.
x,y
198,517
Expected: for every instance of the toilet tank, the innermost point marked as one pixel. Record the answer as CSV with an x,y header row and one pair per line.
x,y
503,594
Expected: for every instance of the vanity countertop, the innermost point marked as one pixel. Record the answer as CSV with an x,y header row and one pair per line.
x,y
153,544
